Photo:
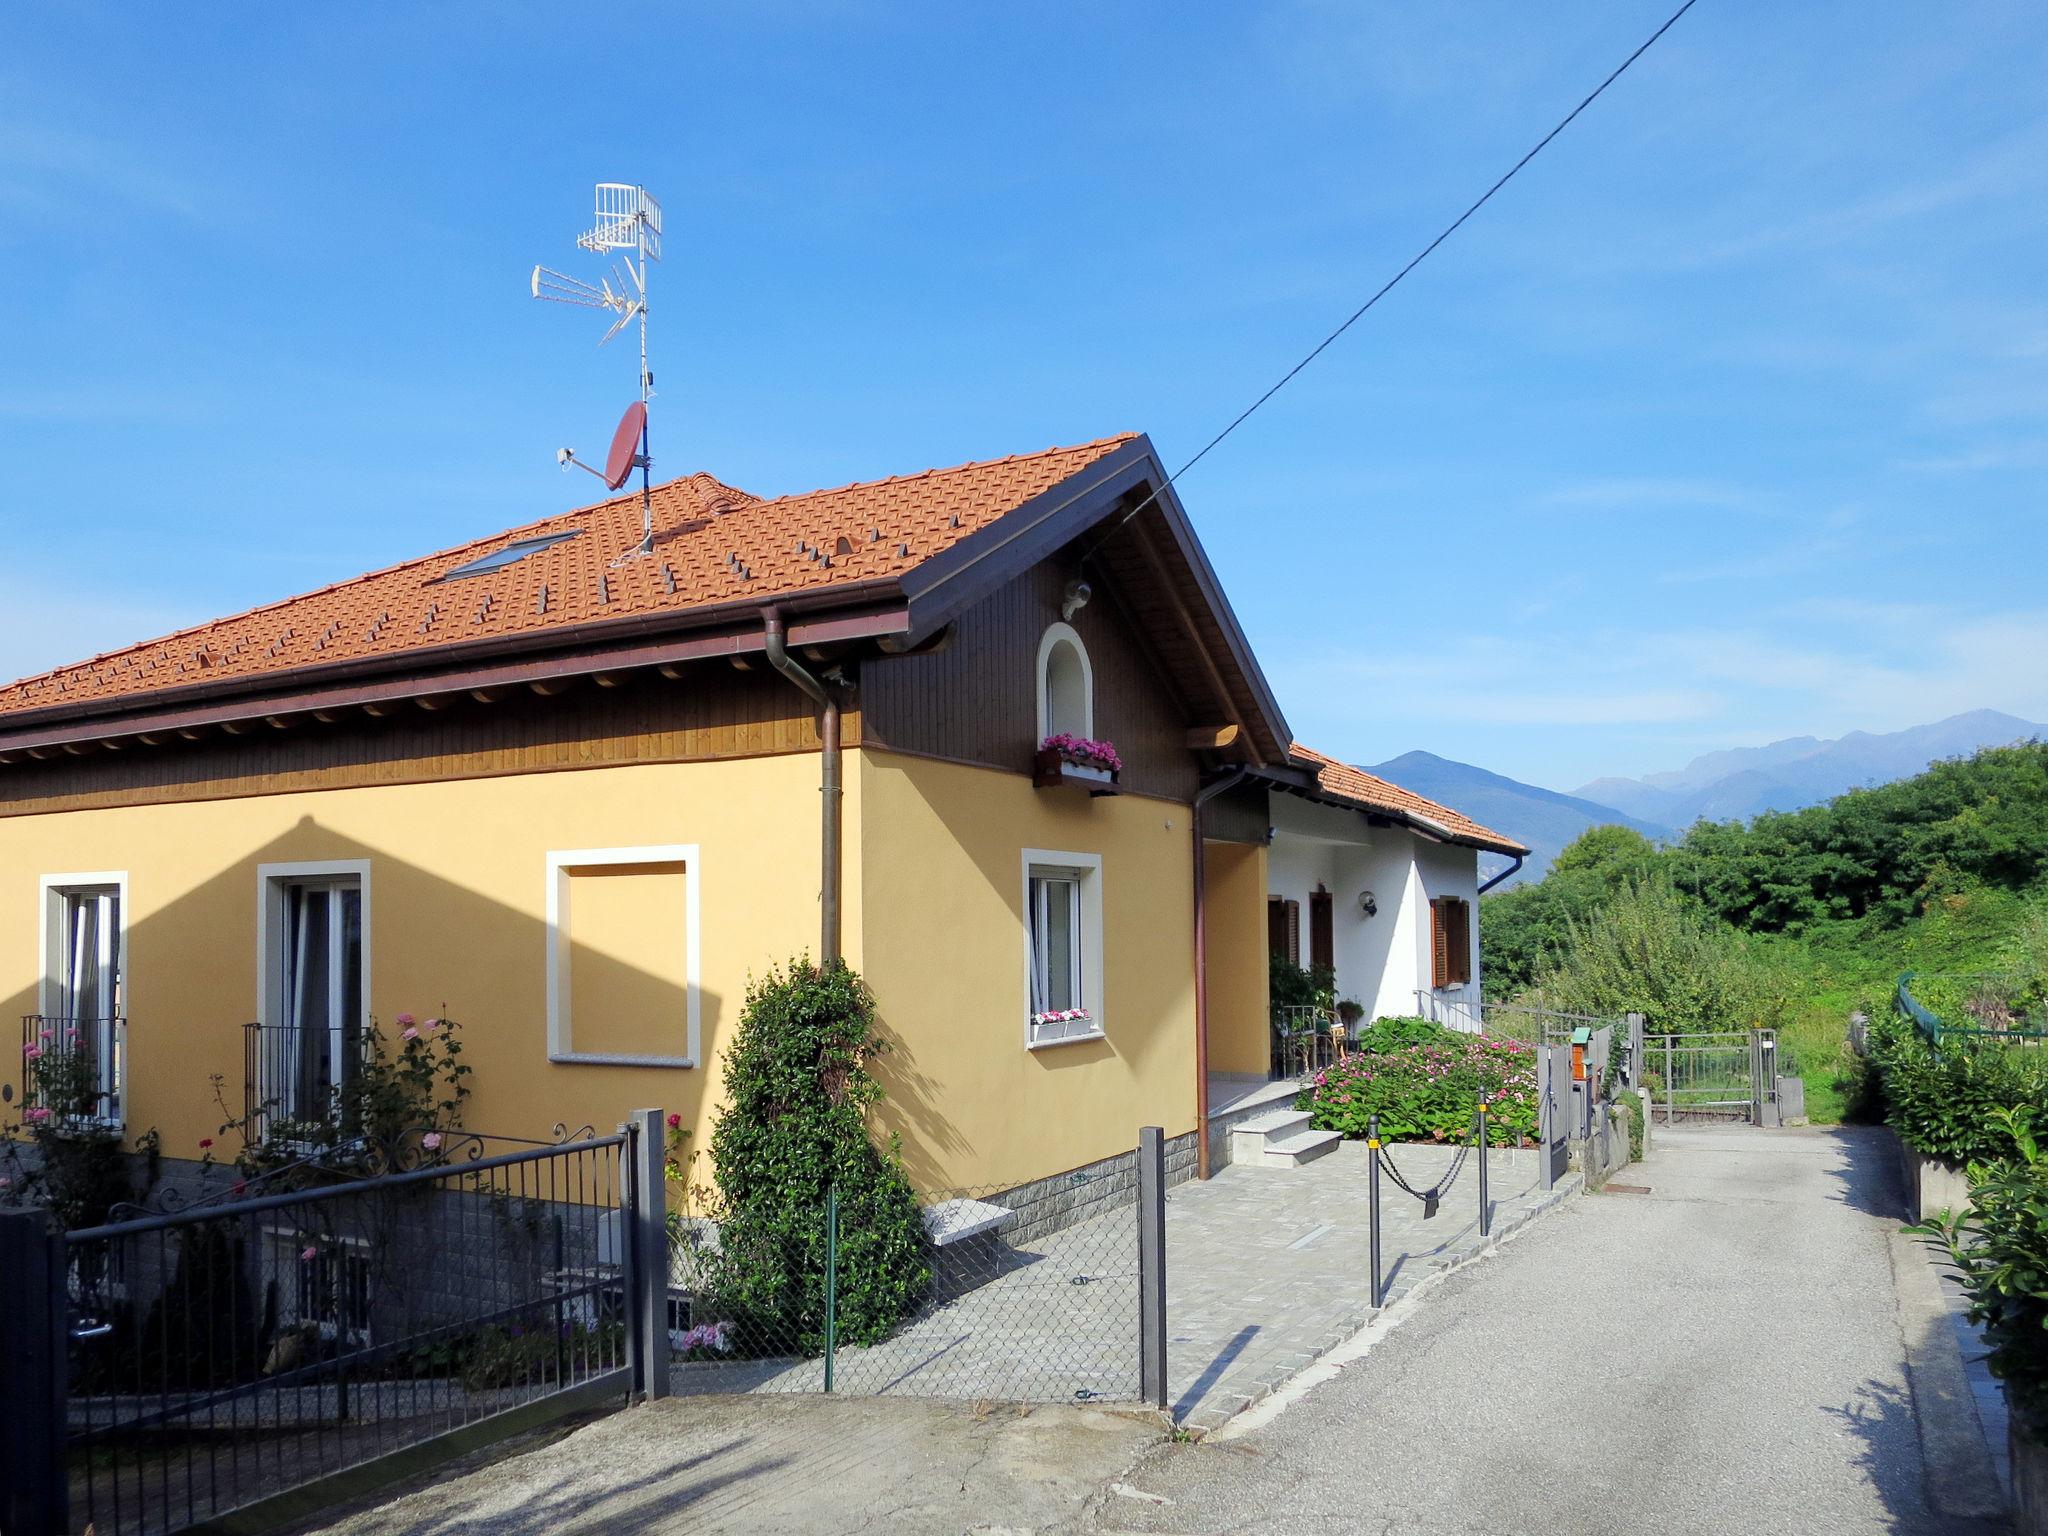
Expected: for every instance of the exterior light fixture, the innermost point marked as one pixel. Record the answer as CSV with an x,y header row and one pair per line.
x,y
1368,904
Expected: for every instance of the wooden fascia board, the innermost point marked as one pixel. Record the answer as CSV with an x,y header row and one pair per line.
x,y
820,629
941,588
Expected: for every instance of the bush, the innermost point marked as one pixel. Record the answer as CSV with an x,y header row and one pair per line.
x,y
2000,1250
1429,1091
1395,1032
794,1126
1654,952
1953,1103
1300,986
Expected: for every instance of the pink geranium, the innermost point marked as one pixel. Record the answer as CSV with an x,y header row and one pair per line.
x,y
35,1116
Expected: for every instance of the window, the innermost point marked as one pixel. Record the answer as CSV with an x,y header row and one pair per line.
x,y
498,559
314,1016
1066,685
1063,947
1283,929
82,999
323,1283
623,956
1322,936
1450,931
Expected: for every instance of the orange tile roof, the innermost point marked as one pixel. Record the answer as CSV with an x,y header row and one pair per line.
x,y
1341,781
713,545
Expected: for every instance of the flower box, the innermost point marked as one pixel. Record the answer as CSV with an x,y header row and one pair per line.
x,y
1090,765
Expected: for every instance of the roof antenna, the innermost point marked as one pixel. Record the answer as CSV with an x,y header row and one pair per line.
x,y
628,219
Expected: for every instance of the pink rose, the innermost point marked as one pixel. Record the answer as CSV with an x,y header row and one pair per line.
x,y
31,1052
433,1024
431,1140
405,1018
35,1116
409,1033
205,1142
308,1254
675,1122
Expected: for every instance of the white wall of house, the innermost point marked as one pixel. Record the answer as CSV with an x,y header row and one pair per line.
x,y
1382,961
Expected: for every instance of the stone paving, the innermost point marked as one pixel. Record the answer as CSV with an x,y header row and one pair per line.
x,y
1266,1268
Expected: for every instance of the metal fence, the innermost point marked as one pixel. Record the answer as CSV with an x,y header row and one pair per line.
x,y
1531,1024
85,1062
1972,1008
162,1372
1723,1076
1015,1295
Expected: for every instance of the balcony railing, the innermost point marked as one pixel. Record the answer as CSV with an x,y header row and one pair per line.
x,y
294,1076
74,1071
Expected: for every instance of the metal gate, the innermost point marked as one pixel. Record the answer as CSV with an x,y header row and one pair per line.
x,y
1729,1076
203,1363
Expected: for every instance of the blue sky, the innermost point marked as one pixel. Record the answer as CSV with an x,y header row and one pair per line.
x,y
1727,421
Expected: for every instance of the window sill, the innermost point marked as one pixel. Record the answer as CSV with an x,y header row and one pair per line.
x,y
1046,1045
617,1059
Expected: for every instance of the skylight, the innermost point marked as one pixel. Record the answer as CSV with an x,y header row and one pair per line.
x,y
498,559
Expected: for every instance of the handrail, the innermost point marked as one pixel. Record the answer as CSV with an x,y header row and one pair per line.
x,y
1931,1024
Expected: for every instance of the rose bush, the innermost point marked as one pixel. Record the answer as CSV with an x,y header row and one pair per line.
x,y
1430,1090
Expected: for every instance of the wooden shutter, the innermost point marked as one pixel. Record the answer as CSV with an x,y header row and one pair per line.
x,y
1439,945
1459,960
1276,926
1322,945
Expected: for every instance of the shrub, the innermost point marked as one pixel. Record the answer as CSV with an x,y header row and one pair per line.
x,y
1393,1033
1654,952
2000,1250
1429,1091
794,1126
1300,986
1952,1103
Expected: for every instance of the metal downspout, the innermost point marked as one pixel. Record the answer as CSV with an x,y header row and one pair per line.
x,y
1202,798
828,779
1505,874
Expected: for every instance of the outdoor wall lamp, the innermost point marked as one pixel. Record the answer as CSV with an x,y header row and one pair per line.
x,y
1368,904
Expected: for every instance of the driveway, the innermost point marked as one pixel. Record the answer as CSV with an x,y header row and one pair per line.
x,y
1746,1347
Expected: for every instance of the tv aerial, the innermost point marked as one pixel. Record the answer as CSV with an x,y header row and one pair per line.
x,y
628,221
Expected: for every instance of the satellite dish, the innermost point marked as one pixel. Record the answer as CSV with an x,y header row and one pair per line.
x,y
618,464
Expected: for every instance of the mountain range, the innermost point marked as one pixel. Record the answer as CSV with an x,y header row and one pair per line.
x,y
1731,785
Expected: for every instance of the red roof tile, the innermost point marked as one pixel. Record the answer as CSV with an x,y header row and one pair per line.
x,y
713,545
1341,781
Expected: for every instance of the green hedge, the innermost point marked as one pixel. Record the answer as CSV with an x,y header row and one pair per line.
x,y
1951,1103
2000,1249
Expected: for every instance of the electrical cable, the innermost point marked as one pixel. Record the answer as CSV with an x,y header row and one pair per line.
x,y
1385,288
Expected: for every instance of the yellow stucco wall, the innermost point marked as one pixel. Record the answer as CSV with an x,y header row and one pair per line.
x,y
1239,1034
457,913
944,949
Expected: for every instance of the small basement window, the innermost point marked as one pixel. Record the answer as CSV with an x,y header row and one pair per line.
x,y
498,559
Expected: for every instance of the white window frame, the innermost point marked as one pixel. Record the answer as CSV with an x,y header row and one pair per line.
x,y
1054,635
1088,868
560,937
272,1008
52,889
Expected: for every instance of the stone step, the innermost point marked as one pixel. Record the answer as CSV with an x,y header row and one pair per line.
x,y
1293,1151
1274,1122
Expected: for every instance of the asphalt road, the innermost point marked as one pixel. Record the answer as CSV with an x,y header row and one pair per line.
x,y
1748,1347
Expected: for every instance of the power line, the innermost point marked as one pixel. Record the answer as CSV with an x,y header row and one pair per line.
x,y
1391,283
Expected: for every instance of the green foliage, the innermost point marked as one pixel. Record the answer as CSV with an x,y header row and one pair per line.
x,y
1999,1248
1651,951
205,1329
1429,1091
77,1168
1953,1103
1393,1032
1300,986
1630,1108
1520,929
515,1354
798,1091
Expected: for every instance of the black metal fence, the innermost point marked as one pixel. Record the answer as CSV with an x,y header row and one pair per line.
x,y
981,1294
162,1372
73,1069
294,1076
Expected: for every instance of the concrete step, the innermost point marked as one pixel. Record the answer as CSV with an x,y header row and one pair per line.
x,y
1274,1122
1293,1151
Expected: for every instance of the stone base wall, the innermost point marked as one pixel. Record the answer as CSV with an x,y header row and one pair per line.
x,y
1932,1183
1047,1205
2029,1484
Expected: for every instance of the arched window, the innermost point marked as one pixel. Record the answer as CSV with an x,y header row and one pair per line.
x,y
1066,685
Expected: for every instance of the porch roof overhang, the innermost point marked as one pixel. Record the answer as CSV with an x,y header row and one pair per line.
x,y
1306,784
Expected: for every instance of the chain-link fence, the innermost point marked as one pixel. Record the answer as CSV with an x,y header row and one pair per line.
x,y
1014,1294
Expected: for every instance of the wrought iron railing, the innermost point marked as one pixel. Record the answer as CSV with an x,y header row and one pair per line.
x,y
73,1070
295,1076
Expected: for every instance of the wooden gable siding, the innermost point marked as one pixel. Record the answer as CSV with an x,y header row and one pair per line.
x,y
975,700
712,712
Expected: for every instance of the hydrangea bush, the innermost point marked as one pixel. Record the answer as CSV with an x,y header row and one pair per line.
x,y
1427,1090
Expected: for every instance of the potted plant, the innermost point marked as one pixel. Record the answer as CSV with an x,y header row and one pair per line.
x,y
1068,759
